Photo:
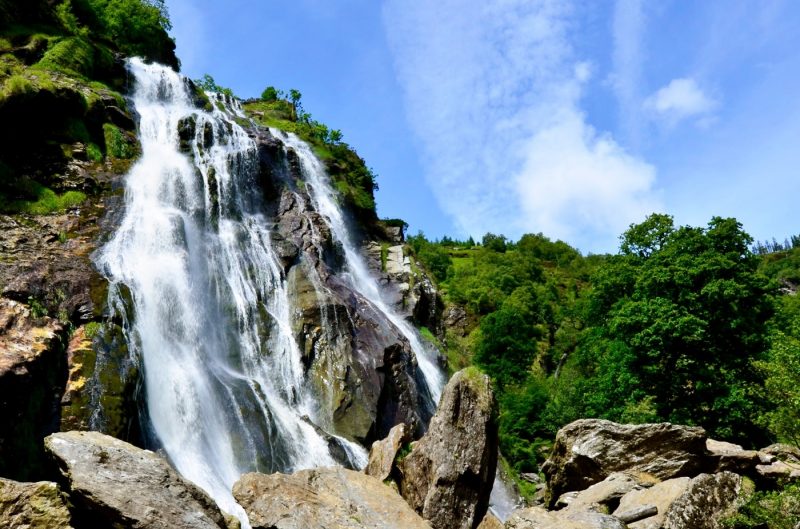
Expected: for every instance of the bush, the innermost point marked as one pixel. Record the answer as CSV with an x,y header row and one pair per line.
x,y
269,94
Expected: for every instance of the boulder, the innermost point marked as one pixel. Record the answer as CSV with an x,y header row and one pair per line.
x,y
661,495
589,450
116,484
329,498
708,500
490,521
39,505
447,477
383,453
783,452
539,518
32,377
778,470
733,457
603,495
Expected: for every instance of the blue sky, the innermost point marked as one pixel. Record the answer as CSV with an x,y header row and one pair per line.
x,y
570,118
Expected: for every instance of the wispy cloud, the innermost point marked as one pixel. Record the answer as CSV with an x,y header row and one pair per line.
x,y
679,100
628,56
493,93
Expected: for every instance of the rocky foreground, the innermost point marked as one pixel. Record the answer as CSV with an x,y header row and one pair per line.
x,y
600,475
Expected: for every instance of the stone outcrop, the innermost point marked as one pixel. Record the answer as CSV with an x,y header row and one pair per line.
x,y
329,498
589,450
660,495
708,499
539,518
604,495
447,477
32,374
383,453
112,483
40,505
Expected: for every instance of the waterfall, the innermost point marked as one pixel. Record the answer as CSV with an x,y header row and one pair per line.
x,y
358,275
205,306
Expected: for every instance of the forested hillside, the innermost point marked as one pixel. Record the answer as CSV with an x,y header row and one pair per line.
x,y
691,325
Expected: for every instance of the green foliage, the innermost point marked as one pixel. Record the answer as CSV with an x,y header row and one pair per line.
x,y
38,309
94,153
270,94
208,84
680,315
781,370
73,55
779,509
35,199
136,27
67,19
507,347
117,144
496,243
17,85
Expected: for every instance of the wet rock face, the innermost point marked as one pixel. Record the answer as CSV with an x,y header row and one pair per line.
x,y
361,367
588,450
329,498
40,505
102,382
115,484
32,376
447,477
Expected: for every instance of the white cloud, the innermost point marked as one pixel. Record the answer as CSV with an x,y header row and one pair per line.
x,y
492,92
679,100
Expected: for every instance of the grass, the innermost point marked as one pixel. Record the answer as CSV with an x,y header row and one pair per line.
x,y
117,145
42,201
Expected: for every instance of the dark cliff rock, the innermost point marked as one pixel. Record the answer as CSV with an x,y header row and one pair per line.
x,y
32,377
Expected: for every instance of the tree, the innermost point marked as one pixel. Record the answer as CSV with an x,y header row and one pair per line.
x,y
497,243
689,310
269,94
507,346
781,370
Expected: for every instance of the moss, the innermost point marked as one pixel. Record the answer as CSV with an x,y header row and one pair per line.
x,y
73,55
94,152
17,85
117,144
384,256
39,200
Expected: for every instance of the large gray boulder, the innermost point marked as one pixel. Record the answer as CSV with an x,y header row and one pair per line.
x,y
589,450
447,477
117,485
323,498
709,499
39,505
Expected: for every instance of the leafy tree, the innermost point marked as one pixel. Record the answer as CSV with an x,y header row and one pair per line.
x,y
781,370
507,346
688,309
269,94
497,243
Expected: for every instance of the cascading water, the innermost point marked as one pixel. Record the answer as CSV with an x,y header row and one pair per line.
x,y
208,314
360,279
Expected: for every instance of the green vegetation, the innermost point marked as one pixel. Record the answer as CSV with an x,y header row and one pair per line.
x,y
354,181
685,324
39,200
779,509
